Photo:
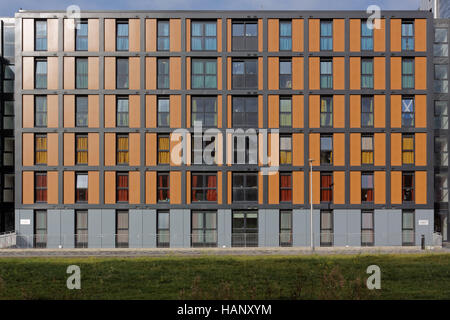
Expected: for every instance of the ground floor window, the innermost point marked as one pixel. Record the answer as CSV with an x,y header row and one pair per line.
x,y
81,229
408,228
204,228
326,228
122,229
40,229
163,231
286,228
245,229
367,228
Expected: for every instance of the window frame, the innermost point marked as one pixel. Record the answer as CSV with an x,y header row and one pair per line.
x,y
44,114
244,187
204,229
369,114
40,189
79,191
406,77
160,189
367,232
81,118
405,230
246,114
204,189
286,151
288,37
159,243
125,189
163,73
163,37
324,151
122,115
286,231
286,190
163,114
441,118
202,100
83,235
326,77
411,113
247,234
122,37
124,152
367,37
160,150
285,78
40,37
406,189
285,114
366,190
79,76
325,38
37,230
246,78
407,39
120,243
326,231
79,36
370,152
203,37
39,150
42,76
119,75
406,150
326,189
79,152
367,77
328,113
203,75
248,45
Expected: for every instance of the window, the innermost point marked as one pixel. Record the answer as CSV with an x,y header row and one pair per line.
x,y
326,228
245,36
40,149
367,111
122,111
367,73
285,149
408,186
40,35
244,229
163,187
326,187
40,229
285,112
204,110
441,183
163,149
285,228
440,114
245,186
441,151
8,41
122,187
326,149
122,35
408,73
163,232
204,74
245,112
326,111
40,191
82,109
81,36
40,111
8,78
285,74
367,228
41,74
122,149
82,149
8,188
204,187
326,74
245,148
245,74
81,229
366,37
407,111
8,151
200,144
82,73
440,47
285,187
408,148
122,229
407,35
81,194
441,78
326,35
367,187
122,73
285,35
204,36
163,73
408,228
367,149
163,112
204,229
163,35
8,115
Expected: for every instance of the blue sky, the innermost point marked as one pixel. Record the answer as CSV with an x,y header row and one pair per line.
x,y
9,7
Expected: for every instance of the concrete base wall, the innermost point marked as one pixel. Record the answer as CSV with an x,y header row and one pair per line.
x,y
143,229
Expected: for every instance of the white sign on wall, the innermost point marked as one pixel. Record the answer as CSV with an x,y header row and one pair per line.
x,y
25,221
423,222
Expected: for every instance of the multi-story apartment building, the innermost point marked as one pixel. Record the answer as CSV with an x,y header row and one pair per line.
x,y
99,109
7,52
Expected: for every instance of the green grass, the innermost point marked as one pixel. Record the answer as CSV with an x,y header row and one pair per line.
x,y
421,276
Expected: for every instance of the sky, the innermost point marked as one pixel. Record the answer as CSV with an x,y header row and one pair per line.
x,y
9,7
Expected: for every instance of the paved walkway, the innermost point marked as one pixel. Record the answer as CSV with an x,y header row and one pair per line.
x,y
160,252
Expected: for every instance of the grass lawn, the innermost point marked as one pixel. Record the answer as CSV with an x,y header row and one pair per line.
x,y
419,276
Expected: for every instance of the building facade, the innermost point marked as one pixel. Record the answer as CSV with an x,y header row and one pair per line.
x,y
100,102
439,8
7,53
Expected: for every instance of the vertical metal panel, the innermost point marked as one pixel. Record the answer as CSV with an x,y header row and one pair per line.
x,y
149,228
54,236
180,226
108,224
135,230
224,228
94,228
68,228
